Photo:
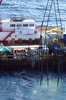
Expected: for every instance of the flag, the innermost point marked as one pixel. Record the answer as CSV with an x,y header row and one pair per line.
x,y
0,1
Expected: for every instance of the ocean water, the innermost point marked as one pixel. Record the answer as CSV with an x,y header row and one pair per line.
x,y
33,9
24,84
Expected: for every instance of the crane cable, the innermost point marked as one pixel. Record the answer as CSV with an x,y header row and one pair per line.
x,y
49,15
59,15
45,13
55,14
61,59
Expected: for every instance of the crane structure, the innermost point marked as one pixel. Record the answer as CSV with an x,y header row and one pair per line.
x,y
52,30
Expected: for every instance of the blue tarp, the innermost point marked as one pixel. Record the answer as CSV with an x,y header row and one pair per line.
x,y
5,49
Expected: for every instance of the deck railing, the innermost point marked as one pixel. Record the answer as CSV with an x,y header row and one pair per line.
x,y
8,30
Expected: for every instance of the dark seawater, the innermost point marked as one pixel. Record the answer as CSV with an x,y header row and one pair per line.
x,y
24,84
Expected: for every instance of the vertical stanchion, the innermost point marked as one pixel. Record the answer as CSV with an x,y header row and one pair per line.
x,y
58,58
39,64
58,70
41,70
61,67
45,44
53,65
47,73
62,59
39,56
